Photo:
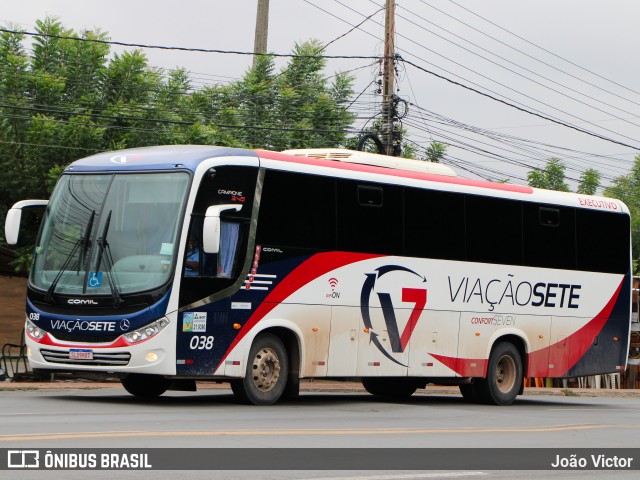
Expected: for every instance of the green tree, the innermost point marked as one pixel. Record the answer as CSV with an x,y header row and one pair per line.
x,y
627,189
589,182
436,152
68,97
309,111
551,177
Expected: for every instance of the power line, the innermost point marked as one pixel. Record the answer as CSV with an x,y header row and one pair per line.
x,y
521,52
517,142
185,49
179,122
543,85
524,110
541,48
527,109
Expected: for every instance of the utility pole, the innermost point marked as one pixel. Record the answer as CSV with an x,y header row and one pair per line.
x,y
262,29
388,77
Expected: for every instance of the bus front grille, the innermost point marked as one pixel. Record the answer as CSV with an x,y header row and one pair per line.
x,y
99,358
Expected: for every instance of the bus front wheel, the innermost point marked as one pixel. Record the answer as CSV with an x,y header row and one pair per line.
x,y
267,371
145,386
504,376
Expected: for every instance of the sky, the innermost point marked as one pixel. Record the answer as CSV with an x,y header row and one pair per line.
x,y
571,60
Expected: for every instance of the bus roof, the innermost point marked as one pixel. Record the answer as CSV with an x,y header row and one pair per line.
x,y
338,162
156,158
374,159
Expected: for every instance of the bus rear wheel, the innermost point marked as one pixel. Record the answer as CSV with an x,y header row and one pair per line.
x,y
504,376
267,371
145,386
393,388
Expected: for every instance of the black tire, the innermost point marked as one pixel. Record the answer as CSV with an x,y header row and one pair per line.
x,y
267,371
145,386
504,376
393,388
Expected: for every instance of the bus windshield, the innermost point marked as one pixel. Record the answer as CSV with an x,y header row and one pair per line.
x,y
110,234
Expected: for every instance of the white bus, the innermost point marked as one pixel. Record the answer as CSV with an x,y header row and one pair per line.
x,y
167,265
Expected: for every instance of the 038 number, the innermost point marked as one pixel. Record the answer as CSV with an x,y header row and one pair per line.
x,y
201,342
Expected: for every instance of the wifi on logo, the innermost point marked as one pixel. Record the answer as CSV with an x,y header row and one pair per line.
x,y
333,283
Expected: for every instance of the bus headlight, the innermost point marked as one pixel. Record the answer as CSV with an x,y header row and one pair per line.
x,y
34,331
146,332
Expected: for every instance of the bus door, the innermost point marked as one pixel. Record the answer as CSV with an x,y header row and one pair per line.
x,y
210,280
343,347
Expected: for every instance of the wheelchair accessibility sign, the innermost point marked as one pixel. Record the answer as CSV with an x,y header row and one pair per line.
x,y
95,280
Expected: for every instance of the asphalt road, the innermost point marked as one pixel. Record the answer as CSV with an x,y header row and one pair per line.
x,y
110,418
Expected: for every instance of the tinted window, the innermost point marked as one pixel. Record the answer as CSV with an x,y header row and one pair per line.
x,y
227,185
369,218
603,241
494,230
297,210
434,224
549,236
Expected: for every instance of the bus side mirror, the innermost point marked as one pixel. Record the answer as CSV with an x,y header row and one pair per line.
x,y
211,228
14,216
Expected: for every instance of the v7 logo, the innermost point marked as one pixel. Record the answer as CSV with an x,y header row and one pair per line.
x,y
418,296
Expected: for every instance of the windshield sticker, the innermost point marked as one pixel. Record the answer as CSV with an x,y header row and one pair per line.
x,y
194,322
166,249
95,280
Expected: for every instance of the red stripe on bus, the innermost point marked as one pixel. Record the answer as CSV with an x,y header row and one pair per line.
x,y
578,343
356,167
305,273
119,342
563,359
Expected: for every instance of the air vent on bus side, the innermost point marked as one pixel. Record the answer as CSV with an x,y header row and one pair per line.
x,y
374,159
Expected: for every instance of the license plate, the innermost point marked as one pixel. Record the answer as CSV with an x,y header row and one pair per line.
x,y
80,354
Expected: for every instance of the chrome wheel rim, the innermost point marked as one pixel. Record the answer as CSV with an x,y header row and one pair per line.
x,y
266,369
505,374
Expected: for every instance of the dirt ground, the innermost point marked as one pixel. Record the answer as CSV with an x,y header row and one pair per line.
x,y
13,292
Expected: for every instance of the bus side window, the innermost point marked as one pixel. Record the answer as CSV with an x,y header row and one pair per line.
x,y
200,264
192,265
369,217
229,237
549,236
594,229
434,224
494,230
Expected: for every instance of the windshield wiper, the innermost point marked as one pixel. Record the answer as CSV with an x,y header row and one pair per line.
x,y
83,242
103,246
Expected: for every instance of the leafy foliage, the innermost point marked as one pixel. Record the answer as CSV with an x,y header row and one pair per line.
x,y
436,152
65,98
551,177
627,189
589,182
